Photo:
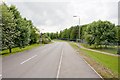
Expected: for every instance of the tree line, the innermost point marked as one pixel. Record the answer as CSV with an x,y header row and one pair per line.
x,y
16,31
97,33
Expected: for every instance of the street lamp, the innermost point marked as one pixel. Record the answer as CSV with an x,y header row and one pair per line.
x,y
79,27
118,51
41,35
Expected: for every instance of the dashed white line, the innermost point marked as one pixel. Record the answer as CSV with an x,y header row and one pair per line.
x,y
28,59
58,71
0,76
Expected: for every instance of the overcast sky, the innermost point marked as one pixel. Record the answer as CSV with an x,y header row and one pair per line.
x,y
56,15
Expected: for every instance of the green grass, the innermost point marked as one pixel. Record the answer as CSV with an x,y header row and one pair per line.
x,y
111,62
17,49
109,49
74,45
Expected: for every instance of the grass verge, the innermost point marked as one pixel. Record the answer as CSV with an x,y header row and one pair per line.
x,y
109,49
17,49
105,65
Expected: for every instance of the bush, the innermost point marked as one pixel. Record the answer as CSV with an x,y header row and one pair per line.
x,y
45,39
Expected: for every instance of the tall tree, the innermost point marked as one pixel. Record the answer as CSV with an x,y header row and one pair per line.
x,y
118,38
8,28
23,28
100,33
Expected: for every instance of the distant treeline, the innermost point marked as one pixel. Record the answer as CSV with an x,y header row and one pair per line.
x,y
16,31
96,33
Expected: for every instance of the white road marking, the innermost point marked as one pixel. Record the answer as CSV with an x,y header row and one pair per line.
x,y
28,59
0,76
58,71
93,69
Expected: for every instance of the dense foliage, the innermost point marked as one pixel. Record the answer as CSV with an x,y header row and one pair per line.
x,y
100,33
45,38
96,33
16,30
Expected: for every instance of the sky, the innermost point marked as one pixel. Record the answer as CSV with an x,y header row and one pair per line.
x,y
56,15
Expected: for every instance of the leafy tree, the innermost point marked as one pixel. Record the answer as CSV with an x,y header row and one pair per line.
x,y
16,31
118,38
64,34
100,33
15,12
56,35
74,33
8,28
60,35
45,39
118,33
23,38
34,34
27,33
22,28
82,32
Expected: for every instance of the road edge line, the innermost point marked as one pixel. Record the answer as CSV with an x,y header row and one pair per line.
x,y
93,69
59,67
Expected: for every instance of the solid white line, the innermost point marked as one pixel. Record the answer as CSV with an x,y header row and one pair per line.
x,y
58,72
93,69
28,59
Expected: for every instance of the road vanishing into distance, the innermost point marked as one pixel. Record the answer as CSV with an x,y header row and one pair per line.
x,y
55,60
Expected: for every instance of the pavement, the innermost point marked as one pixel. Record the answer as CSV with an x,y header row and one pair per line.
x,y
56,60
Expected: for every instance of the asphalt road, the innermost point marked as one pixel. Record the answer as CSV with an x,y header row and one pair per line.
x,y
56,60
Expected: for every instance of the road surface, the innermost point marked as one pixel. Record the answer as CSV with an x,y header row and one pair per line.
x,y
56,60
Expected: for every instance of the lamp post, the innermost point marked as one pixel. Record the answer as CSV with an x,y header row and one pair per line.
x,y
41,36
118,51
79,27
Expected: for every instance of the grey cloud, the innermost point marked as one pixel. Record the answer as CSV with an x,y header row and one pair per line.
x,y
48,12
54,16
